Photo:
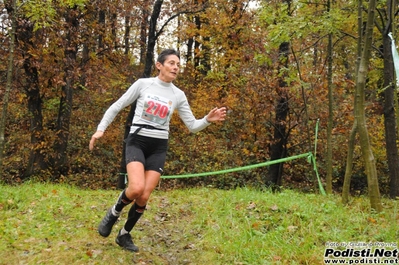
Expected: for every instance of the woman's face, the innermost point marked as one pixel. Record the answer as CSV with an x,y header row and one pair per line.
x,y
169,69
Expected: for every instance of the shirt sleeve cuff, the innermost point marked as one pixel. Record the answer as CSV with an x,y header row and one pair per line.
x,y
206,120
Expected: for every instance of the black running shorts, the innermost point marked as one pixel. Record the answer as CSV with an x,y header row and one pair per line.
x,y
151,152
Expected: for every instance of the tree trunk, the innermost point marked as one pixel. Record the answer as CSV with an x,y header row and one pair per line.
x,y
143,32
114,30
206,57
389,108
349,163
353,132
152,38
127,34
36,161
278,147
60,158
197,21
390,122
101,22
330,110
85,59
190,43
360,116
12,11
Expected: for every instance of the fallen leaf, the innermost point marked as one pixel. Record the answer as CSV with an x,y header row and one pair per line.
x,y
274,208
251,206
189,246
372,220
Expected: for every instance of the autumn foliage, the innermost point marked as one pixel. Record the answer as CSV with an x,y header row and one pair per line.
x,y
80,56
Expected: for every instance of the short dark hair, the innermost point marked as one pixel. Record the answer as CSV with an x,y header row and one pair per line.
x,y
165,53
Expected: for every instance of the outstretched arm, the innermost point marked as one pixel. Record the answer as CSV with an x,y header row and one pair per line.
x,y
216,114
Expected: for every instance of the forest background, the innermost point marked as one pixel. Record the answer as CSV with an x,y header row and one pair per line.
x,y
280,67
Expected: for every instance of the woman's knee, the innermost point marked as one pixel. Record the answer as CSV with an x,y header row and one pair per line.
x,y
134,191
142,200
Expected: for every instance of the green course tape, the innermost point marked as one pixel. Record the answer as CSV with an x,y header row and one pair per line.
x,y
322,191
310,157
268,163
313,157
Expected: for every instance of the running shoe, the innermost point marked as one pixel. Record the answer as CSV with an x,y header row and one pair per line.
x,y
107,223
126,242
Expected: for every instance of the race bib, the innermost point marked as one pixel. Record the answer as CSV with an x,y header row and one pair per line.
x,y
156,109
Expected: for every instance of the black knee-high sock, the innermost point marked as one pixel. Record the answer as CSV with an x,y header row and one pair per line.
x,y
123,200
134,215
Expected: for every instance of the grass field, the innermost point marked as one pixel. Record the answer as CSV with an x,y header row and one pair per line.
x,y
57,224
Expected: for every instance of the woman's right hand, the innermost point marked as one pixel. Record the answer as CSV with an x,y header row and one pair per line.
x,y
97,135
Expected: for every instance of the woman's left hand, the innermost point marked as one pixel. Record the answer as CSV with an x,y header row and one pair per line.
x,y
217,114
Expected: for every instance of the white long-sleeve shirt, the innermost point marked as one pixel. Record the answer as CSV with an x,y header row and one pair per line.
x,y
156,102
